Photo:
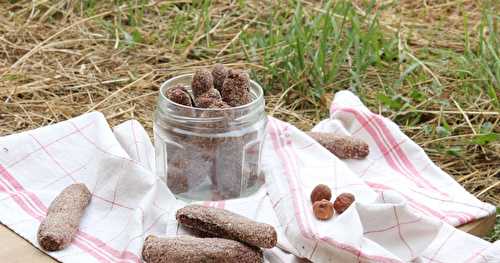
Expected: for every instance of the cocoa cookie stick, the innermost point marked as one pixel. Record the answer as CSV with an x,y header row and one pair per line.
x,y
219,73
202,82
205,95
215,222
189,249
63,217
236,88
180,95
208,98
343,147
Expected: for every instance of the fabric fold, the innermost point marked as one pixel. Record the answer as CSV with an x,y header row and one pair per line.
x,y
405,206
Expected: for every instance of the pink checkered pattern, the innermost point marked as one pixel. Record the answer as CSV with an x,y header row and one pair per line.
x,y
36,165
405,211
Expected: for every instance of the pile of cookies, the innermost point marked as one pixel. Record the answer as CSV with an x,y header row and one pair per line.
x,y
219,155
223,236
221,88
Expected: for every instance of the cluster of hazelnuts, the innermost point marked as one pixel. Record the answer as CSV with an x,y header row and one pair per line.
x,y
322,207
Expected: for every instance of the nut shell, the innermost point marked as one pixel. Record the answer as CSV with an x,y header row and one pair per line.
x,y
323,210
342,202
321,192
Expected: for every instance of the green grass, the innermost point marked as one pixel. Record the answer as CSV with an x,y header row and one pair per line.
x,y
336,48
310,51
495,234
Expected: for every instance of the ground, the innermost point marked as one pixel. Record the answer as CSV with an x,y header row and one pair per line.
x,y
432,66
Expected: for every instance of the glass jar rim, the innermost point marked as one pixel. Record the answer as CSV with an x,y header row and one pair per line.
x,y
255,101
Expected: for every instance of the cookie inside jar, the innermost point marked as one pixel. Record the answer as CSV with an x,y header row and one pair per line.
x,y
209,129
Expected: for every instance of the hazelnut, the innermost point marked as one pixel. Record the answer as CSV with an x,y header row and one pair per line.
x,y
342,202
323,210
321,192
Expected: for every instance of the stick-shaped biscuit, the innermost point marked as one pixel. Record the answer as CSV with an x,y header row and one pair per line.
x,y
202,82
179,94
189,249
63,217
236,88
344,147
219,73
215,222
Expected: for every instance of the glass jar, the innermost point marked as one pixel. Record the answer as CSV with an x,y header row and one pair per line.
x,y
209,154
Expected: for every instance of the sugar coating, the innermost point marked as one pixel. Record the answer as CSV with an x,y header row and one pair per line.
x,y
219,73
236,88
215,222
202,82
344,147
189,249
57,230
180,95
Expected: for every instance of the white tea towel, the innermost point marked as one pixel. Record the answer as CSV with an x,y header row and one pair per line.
x,y
404,210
